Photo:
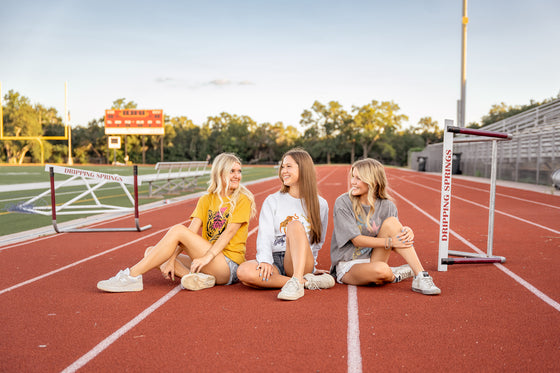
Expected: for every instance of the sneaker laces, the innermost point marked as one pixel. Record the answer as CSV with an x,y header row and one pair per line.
x,y
428,281
312,285
291,285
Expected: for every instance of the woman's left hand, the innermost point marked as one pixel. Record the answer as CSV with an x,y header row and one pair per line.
x,y
406,235
198,263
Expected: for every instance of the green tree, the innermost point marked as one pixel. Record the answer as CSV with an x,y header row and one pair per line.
x,y
429,130
20,119
327,122
374,120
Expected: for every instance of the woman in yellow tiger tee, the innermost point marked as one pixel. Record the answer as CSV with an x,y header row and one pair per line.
x,y
203,260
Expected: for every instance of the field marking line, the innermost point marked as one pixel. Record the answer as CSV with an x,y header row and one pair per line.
x,y
82,261
484,207
542,296
353,334
104,344
91,354
460,184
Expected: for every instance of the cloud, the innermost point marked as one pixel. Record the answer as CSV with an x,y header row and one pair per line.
x,y
175,82
220,82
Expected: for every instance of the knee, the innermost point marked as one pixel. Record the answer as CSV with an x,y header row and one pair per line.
x,y
381,271
390,227
148,251
295,227
246,272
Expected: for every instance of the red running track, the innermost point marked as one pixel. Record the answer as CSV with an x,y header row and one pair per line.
x,y
489,317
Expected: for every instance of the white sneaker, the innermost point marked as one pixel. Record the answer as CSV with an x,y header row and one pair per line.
x,y
402,273
291,290
315,282
122,282
197,281
423,283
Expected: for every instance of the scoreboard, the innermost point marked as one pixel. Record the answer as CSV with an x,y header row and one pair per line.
x,y
134,122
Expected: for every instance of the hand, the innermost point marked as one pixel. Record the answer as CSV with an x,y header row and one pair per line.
x,y
168,270
198,263
407,234
265,271
404,239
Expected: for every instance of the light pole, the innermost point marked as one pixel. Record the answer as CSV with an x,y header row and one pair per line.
x,y
462,102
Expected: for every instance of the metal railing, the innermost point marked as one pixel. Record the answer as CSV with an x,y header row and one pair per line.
x,y
531,157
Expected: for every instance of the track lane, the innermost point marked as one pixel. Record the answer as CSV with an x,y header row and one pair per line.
x,y
449,323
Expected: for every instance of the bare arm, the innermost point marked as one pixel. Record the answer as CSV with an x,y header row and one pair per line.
x,y
216,248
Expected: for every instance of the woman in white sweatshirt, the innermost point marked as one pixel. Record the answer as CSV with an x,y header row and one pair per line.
x,y
292,230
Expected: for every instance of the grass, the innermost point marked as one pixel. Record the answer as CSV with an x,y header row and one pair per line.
x,y
111,193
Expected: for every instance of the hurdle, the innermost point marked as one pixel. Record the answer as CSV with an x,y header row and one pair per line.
x,y
67,208
446,181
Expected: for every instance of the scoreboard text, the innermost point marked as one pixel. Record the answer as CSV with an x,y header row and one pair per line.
x,y
134,122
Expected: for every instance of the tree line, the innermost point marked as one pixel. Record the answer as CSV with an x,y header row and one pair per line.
x,y
329,132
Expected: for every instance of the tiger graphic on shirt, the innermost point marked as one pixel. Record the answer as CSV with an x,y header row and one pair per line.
x,y
217,222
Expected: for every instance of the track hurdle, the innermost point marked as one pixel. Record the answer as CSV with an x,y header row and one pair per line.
x,y
68,208
445,210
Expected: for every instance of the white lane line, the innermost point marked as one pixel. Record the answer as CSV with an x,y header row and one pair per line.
x,y
104,344
353,336
542,296
487,208
119,333
80,261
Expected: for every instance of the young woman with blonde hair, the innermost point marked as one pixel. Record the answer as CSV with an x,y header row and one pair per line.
x,y
292,230
201,261
367,230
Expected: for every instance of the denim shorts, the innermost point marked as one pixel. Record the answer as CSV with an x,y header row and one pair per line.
x,y
343,267
232,271
278,258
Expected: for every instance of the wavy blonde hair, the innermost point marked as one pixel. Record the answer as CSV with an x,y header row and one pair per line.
x,y
221,167
308,190
371,172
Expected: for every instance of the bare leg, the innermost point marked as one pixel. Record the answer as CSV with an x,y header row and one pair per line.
x,y
248,274
390,228
299,257
194,245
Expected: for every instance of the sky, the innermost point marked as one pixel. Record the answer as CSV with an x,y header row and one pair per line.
x,y
271,60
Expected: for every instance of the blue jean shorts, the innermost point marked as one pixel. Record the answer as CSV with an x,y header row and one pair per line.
x,y
278,258
232,271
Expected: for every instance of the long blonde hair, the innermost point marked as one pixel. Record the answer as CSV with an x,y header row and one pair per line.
x,y
308,190
221,167
371,172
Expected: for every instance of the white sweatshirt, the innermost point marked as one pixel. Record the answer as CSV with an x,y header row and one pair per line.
x,y
277,211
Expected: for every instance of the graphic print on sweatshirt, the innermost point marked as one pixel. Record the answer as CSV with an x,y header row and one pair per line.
x,y
281,240
217,221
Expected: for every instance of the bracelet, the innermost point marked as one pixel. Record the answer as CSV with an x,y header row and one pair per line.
x,y
388,243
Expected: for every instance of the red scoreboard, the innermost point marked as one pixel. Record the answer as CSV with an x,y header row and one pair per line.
x,y
134,122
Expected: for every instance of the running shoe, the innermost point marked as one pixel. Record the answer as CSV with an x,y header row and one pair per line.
x,y
315,282
291,290
402,273
198,281
423,283
121,283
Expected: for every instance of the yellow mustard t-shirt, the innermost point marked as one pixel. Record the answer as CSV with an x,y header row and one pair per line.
x,y
216,215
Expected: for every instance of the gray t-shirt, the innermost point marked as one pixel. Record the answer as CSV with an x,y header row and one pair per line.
x,y
347,227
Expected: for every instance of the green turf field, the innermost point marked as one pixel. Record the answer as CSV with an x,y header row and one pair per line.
x,y
111,193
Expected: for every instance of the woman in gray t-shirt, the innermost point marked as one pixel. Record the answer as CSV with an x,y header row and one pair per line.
x,y
367,229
